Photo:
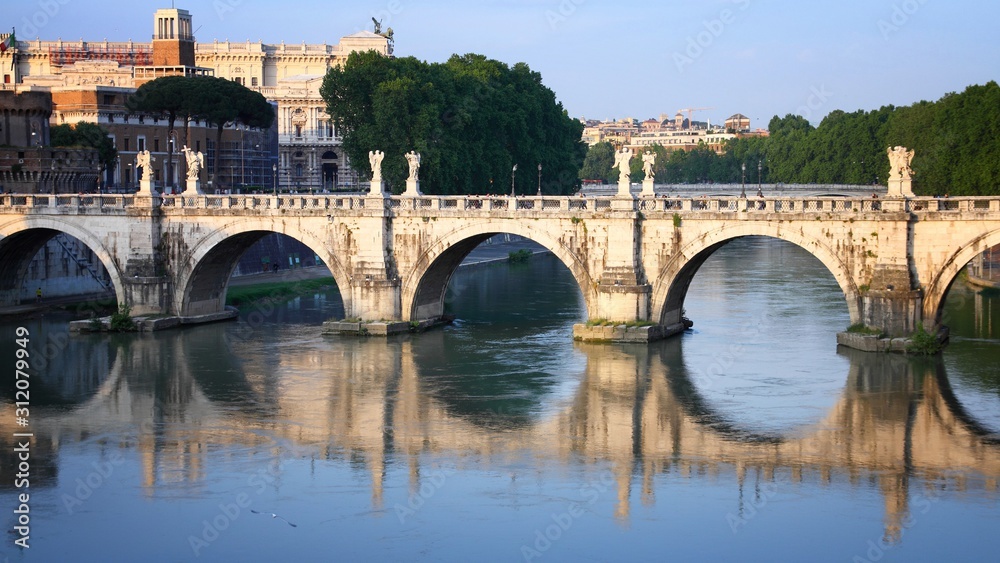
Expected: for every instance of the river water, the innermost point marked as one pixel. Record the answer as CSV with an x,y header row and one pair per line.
x,y
750,437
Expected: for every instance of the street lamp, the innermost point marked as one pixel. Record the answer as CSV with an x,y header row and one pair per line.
x,y
171,136
243,171
512,172
759,166
539,179
743,190
52,167
274,179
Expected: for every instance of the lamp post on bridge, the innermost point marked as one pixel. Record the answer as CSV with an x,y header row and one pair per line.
x,y
512,172
743,182
274,179
539,179
759,166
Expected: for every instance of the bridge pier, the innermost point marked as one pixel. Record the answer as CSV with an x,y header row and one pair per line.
x,y
374,284
622,311
146,286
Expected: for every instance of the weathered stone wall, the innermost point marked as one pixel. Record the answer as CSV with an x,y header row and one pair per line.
x,y
632,259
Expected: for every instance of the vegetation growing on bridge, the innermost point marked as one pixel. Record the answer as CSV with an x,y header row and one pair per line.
x,y
472,119
957,149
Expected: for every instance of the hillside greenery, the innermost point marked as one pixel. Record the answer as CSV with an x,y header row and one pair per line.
x,y
957,149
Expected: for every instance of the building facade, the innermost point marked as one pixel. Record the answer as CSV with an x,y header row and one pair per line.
x,y
89,81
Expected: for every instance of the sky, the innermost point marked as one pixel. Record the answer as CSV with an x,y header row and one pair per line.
x,y
607,60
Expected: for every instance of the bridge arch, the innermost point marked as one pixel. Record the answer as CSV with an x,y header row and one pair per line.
x,y
204,270
21,239
673,281
424,286
940,284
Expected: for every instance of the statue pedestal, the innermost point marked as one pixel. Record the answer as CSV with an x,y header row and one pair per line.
x,y
412,188
194,186
377,187
647,187
146,188
624,188
900,187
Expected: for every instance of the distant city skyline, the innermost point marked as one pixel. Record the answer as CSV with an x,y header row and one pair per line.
x,y
625,60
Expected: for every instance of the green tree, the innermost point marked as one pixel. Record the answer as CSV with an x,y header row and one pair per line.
x,y
472,119
218,101
85,135
165,97
598,162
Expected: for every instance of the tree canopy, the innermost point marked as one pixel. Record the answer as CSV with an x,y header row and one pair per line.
x,y
472,119
216,100
957,150
87,135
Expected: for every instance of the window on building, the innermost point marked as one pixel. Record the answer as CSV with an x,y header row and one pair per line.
x,y
329,128
140,144
197,146
298,169
109,99
298,130
253,81
125,143
156,145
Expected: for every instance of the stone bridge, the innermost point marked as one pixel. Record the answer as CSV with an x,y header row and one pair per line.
x,y
392,257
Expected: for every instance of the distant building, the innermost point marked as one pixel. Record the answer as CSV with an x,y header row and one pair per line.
x,y
738,123
27,163
677,133
89,81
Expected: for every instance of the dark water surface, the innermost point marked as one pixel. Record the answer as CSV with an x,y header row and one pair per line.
x,y
752,437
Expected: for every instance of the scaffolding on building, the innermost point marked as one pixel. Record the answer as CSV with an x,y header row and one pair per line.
x,y
137,55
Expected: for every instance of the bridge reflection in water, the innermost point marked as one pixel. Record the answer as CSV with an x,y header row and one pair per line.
x,y
175,398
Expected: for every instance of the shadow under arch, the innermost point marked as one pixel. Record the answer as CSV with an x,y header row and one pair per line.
x,y
424,288
675,278
958,410
203,281
671,353
941,283
20,241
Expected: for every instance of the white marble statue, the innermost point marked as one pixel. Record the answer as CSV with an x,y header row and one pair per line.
x,y
899,163
145,160
623,157
195,162
413,158
648,160
375,160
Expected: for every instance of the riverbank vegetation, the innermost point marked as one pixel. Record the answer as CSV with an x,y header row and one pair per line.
x,y
957,150
244,295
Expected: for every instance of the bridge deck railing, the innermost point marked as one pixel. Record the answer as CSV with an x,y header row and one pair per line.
x,y
555,205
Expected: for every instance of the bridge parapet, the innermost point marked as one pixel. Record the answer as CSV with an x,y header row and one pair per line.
x,y
326,204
